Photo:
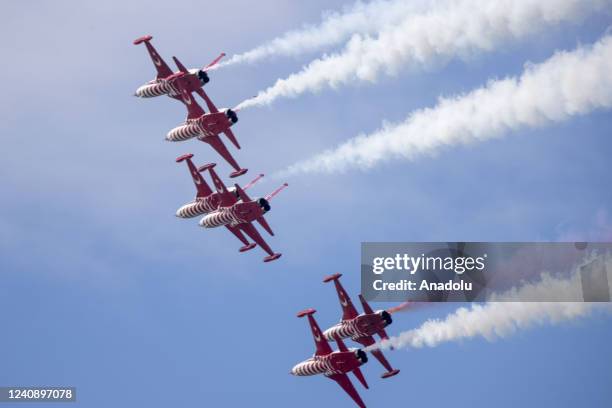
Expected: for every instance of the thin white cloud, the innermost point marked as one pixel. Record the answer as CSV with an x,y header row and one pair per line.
x,y
566,85
445,30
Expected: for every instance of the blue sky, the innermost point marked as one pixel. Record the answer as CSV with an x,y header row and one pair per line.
x,y
104,289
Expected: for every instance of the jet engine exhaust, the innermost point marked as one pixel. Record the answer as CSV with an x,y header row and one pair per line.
x,y
203,76
264,204
361,356
386,316
232,116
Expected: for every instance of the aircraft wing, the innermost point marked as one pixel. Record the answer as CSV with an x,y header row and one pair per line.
x,y
202,188
226,198
348,310
216,143
368,341
238,234
347,386
322,345
163,70
232,138
252,232
194,110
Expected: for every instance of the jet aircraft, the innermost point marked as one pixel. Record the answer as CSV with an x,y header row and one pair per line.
x,y
333,364
206,127
163,84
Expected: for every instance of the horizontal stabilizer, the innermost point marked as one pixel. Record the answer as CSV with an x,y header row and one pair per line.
x,y
264,224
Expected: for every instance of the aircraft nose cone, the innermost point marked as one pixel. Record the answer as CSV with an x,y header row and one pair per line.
x,y
139,92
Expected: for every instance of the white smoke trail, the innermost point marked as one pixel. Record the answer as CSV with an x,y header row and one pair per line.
x,y
567,84
496,319
446,30
335,28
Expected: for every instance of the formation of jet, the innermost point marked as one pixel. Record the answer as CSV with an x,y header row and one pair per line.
x,y
358,327
230,207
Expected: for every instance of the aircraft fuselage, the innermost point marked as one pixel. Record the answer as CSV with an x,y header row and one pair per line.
x,y
363,325
338,362
207,125
163,86
238,213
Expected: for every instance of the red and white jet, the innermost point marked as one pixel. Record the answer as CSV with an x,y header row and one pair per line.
x,y
360,327
207,200
238,216
206,126
163,84
333,364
